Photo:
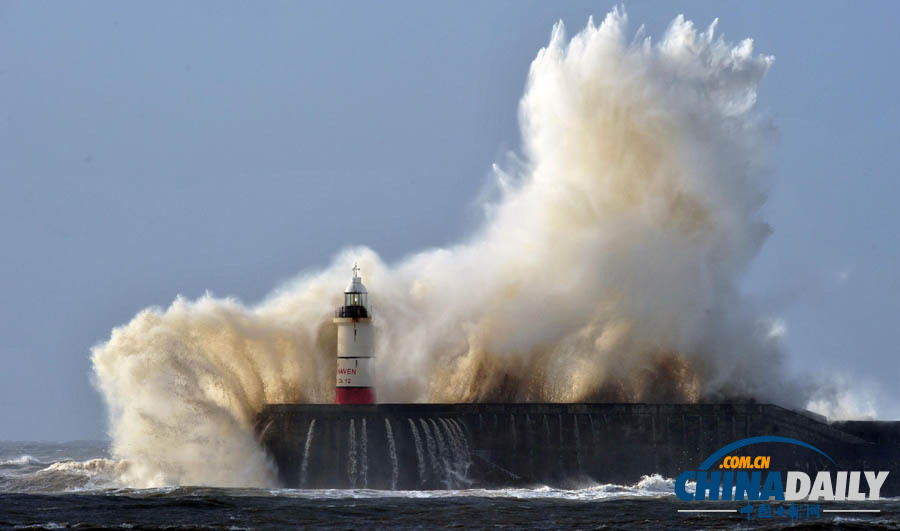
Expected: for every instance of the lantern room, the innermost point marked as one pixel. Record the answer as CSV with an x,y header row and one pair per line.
x,y
356,299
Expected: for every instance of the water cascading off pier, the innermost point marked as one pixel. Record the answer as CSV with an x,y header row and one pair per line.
x,y
453,446
380,447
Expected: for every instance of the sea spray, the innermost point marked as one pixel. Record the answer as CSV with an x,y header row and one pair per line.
x,y
351,454
432,452
462,436
452,445
420,458
364,456
607,268
306,447
457,463
466,456
444,470
392,452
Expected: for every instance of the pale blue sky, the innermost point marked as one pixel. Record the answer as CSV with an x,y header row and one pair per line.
x,y
151,149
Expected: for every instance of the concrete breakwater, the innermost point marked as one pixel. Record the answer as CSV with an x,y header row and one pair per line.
x,y
437,446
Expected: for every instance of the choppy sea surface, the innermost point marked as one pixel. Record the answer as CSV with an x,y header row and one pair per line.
x,y
75,485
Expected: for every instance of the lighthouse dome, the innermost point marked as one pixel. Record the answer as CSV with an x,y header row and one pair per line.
x,y
355,286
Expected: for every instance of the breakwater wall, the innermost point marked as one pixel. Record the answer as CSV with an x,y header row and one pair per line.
x,y
436,446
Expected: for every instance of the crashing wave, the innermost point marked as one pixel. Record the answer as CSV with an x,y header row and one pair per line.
x,y
608,269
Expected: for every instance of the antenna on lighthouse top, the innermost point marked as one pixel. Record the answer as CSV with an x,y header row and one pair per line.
x,y
356,285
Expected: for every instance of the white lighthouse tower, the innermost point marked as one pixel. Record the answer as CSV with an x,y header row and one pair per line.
x,y
355,382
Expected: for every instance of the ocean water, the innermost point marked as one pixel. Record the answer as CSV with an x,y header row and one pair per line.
x,y
75,485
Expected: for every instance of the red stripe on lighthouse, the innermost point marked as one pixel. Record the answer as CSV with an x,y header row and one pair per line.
x,y
354,395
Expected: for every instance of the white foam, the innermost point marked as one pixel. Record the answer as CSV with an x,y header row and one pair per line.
x,y
21,460
649,486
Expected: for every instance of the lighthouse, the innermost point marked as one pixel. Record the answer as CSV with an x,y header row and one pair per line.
x,y
354,382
